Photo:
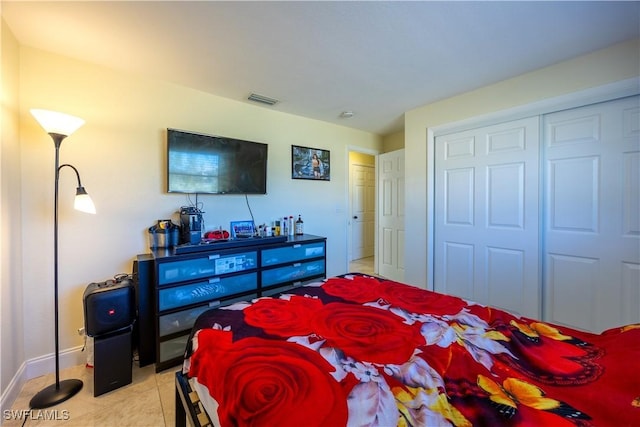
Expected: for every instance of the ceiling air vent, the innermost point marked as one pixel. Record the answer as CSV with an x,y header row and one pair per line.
x,y
262,99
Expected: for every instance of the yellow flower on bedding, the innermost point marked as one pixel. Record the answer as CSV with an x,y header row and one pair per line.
x,y
480,343
496,336
548,331
630,327
514,391
525,329
535,329
426,407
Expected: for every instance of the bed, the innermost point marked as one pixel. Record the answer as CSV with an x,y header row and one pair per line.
x,y
359,350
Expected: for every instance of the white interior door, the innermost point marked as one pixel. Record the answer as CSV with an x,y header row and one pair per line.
x,y
391,226
363,187
592,215
486,216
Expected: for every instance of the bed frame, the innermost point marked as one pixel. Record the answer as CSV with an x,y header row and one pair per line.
x,y
188,406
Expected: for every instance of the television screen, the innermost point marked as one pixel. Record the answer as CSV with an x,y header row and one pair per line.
x,y
198,163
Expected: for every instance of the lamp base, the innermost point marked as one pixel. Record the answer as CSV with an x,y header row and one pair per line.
x,y
53,395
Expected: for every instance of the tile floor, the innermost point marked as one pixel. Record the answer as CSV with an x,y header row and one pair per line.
x,y
147,402
363,265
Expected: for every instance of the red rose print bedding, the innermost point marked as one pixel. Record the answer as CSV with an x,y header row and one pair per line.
x,y
357,350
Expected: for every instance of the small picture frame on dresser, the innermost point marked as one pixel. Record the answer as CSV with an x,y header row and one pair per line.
x,y
242,229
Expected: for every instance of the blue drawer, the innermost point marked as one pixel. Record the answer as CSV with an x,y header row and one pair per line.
x,y
197,268
293,272
297,252
205,291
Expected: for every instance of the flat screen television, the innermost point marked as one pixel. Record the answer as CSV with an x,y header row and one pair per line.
x,y
208,164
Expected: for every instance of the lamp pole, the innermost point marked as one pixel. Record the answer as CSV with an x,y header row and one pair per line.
x,y
57,140
61,390
51,121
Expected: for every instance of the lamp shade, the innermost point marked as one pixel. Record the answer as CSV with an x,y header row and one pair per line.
x,y
83,202
58,123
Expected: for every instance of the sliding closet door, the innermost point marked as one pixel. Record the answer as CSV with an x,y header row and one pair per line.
x,y
486,216
592,215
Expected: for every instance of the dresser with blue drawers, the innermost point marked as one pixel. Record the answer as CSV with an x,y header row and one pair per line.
x,y
185,285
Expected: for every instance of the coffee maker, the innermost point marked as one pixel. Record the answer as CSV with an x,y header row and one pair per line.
x,y
191,225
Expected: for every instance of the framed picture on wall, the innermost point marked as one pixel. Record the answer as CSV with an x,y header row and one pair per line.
x,y
310,163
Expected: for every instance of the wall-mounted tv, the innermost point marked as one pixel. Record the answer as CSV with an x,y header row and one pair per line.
x,y
207,164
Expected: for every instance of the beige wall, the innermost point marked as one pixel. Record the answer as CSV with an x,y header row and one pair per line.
x,y
12,331
120,153
393,142
616,63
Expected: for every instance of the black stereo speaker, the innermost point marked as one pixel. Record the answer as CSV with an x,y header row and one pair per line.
x,y
112,361
109,306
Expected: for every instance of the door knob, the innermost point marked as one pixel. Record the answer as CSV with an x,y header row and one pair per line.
x,y
355,217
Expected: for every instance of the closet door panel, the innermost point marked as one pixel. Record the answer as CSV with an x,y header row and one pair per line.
x,y
486,209
574,279
591,205
574,208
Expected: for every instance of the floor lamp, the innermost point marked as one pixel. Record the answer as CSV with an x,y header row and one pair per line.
x,y
59,126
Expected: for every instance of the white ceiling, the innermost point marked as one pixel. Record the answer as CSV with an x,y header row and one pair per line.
x,y
378,59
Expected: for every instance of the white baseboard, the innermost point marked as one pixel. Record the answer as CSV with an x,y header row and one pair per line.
x,y
13,389
47,364
36,367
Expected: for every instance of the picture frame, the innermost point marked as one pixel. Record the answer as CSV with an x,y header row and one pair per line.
x,y
310,163
242,229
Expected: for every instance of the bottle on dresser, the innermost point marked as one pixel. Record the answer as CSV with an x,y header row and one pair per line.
x,y
299,226
292,229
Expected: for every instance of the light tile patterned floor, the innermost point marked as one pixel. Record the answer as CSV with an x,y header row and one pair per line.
x,y
363,265
147,402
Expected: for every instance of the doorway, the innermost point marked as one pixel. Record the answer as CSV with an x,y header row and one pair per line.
x,y
362,212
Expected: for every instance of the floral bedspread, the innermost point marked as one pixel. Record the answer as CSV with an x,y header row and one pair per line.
x,y
357,350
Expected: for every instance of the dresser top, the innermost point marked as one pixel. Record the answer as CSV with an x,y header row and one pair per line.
x,y
161,253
